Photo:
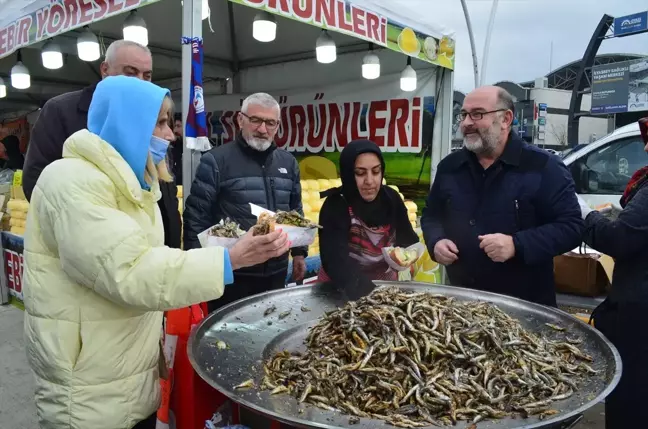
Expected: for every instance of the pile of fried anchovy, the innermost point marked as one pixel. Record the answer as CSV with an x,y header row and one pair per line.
x,y
295,219
413,359
226,229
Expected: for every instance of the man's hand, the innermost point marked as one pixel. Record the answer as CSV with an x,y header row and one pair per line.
x,y
445,252
299,268
498,247
252,250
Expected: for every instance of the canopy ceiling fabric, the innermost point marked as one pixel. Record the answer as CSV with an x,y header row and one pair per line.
x,y
295,43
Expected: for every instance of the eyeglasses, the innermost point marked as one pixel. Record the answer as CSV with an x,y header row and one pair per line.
x,y
257,122
476,116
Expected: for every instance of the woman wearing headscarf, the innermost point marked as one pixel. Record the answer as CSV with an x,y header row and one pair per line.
x,y
622,316
14,159
359,219
97,274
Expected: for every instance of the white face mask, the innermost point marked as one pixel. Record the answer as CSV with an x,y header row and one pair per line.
x,y
259,144
158,148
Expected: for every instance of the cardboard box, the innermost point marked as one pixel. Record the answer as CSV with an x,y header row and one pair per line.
x,y
582,275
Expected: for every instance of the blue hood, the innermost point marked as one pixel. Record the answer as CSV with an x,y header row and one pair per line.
x,y
124,112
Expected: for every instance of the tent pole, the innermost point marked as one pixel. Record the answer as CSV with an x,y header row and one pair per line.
x,y
489,33
191,27
235,65
471,36
442,134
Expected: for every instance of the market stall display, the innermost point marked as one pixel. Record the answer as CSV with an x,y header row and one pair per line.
x,y
421,358
296,310
312,203
180,200
17,209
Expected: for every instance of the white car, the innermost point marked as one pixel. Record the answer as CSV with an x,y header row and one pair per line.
x,y
602,169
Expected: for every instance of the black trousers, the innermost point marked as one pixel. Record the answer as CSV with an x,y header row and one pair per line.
x,y
149,423
626,327
245,286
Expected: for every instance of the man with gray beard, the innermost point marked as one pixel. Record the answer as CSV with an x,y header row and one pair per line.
x,y
499,210
251,169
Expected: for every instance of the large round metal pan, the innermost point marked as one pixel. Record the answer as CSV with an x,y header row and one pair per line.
x,y
250,338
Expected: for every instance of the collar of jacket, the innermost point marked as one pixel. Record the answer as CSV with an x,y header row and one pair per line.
x,y
512,154
91,148
86,98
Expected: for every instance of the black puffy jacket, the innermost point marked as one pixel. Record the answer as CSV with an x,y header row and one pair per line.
x,y
230,177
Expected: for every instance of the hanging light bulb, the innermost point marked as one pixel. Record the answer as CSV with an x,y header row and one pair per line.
x,y
88,46
205,9
264,27
135,29
408,77
3,89
51,56
20,78
325,49
371,66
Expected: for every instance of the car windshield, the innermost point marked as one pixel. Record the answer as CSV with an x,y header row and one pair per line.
x,y
566,152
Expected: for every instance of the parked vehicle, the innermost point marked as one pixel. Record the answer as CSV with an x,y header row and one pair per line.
x,y
576,148
602,169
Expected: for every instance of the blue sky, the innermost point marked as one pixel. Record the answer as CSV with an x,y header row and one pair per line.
x,y
524,30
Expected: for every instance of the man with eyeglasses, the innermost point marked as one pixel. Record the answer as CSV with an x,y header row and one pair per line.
x,y
251,169
499,210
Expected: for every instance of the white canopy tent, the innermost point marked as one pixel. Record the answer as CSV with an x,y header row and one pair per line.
x,y
234,62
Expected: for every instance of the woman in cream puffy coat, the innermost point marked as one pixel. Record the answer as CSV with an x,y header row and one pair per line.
x,y
97,275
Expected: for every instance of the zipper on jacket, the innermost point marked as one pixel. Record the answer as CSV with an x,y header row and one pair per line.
x,y
517,214
269,193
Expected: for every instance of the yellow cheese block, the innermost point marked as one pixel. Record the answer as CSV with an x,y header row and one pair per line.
x,y
316,206
411,216
313,197
179,193
18,214
313,185
324,184
17,222
17,230
411,206
317,167
304,185
19,205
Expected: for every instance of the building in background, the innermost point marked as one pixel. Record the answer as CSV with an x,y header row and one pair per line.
x,y
542,107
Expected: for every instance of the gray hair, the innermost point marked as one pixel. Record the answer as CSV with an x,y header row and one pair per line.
x,y
505,100
115,46
260,99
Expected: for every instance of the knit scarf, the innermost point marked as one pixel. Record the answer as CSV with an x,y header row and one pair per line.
x,y
636,182
641,176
